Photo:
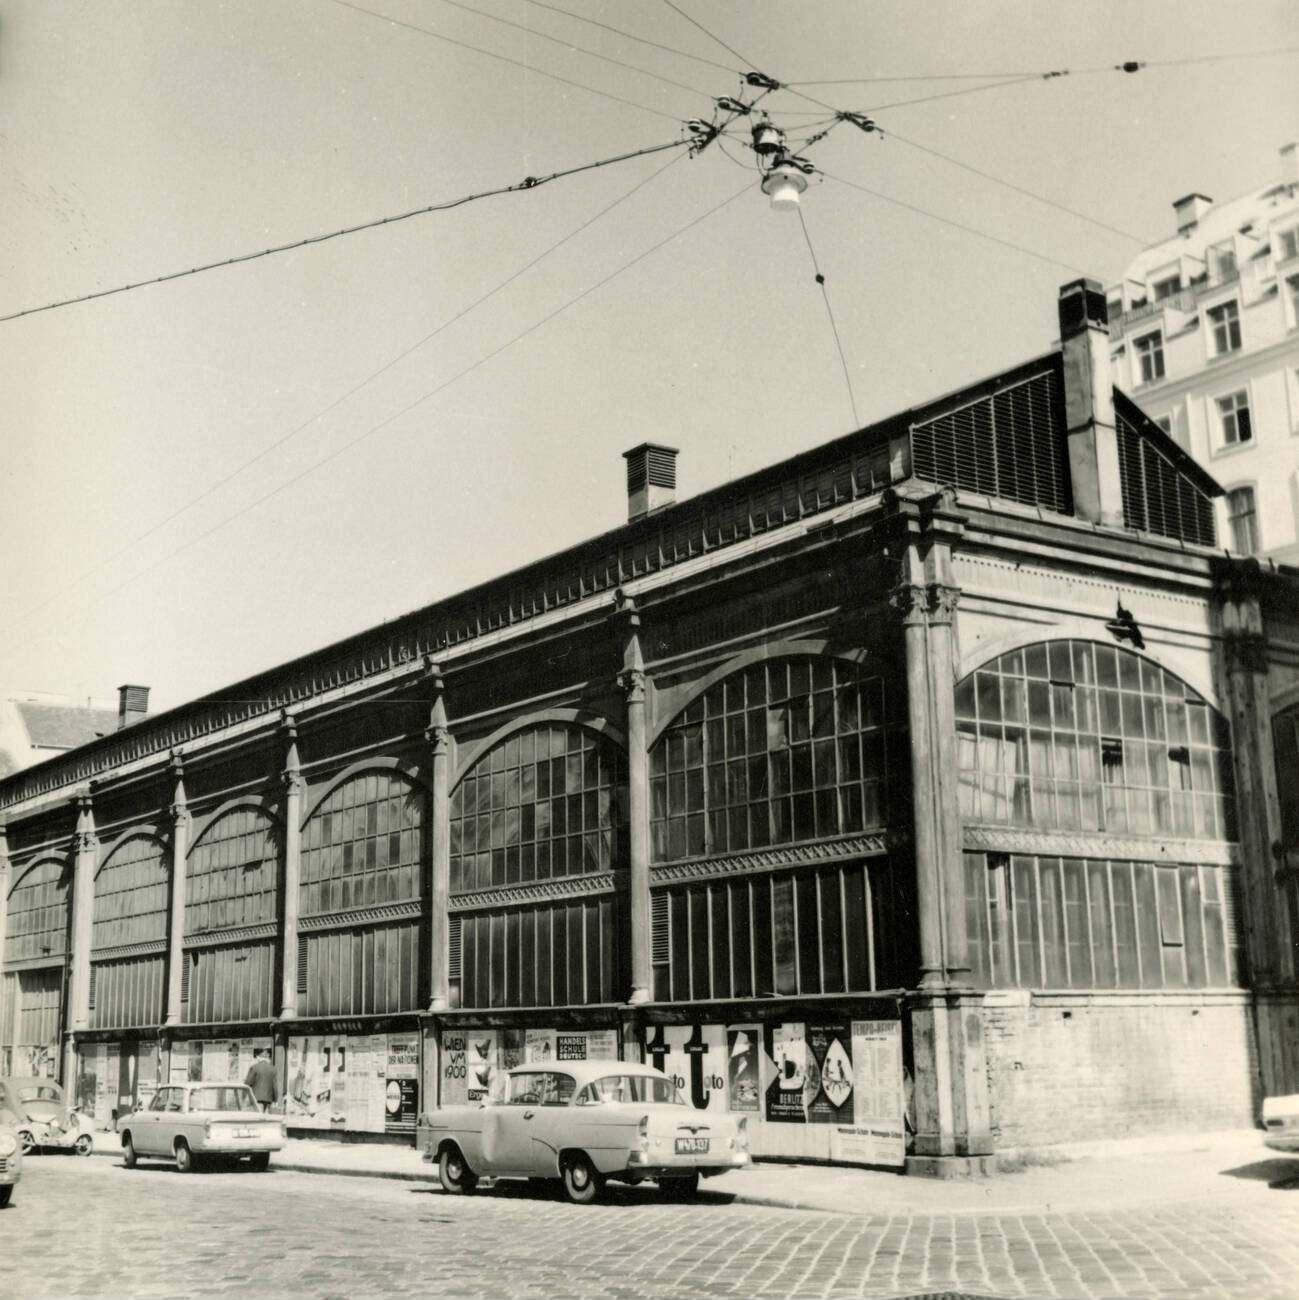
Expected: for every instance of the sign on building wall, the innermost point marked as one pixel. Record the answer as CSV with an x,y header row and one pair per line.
x,y
877,1134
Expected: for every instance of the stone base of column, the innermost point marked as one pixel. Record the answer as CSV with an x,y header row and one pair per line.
x,y
638,997
288,1013
951,1166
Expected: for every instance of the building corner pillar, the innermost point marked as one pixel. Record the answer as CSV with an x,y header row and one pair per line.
x,y
949,1067
4,906
180,823
438,736
291,779
85,849
632,680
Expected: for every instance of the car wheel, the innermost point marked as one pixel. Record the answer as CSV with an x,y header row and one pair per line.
x,y
84,1144
260,1162
129,1158
5,1193
455,1176
684,1188
28,1142
185,1162
582,1184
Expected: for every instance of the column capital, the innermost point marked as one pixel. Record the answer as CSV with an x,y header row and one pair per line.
x,y
923,603
288,726
438,736
632,681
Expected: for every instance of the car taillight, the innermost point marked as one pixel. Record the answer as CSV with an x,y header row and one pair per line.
x,y
742,1134
642,1130
207,1128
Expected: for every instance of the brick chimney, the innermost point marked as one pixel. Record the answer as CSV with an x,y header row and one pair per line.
x,y
132,704
1089,403
1189,210
651,478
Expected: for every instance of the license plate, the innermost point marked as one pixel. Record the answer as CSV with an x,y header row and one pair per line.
x,y
243,1132
691,1146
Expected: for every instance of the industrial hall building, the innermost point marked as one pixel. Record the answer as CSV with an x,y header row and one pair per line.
x,y
930,794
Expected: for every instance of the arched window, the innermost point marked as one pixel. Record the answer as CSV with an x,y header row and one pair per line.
x,y
363,844
131,895
37,921
232,873
545,802
1076,735
789,749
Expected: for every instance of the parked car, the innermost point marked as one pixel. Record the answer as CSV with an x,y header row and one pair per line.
x,y
584,1122
1281,1123
41,1117
190,1122
11,1161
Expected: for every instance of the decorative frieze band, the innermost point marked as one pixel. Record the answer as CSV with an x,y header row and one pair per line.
x,y
775,859
359,916
235,934
44,962
1084,844
539,891
145,948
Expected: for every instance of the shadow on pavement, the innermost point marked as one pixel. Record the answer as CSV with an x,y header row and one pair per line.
x,y
616,1194
1280,1174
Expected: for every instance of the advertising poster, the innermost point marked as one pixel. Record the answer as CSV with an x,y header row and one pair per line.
x,y
103,1095
195,1063
829,1048
786,1102
539,1046
400,1086
365,1060
216,1061
510,1046
694,1057
877,1134
744,1068
570,1047
338,1083
178,1063
481,1064
308,1104
602,1045
455,1068
127,1064
147,1074
432,1061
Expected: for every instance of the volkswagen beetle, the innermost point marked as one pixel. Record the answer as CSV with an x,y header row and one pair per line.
x,y
584,1122
11,1161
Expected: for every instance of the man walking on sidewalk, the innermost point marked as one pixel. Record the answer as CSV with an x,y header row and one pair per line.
x,y
261,1079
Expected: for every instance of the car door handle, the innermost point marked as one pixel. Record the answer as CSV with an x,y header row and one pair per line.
x,y
528,1114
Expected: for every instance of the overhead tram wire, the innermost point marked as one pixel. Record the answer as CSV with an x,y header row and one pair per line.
x,y
829,311
351,392
419,401
577,49
528,183
711,36
503,58
956,225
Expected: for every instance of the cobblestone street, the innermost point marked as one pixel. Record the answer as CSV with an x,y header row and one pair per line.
x,y
92,1228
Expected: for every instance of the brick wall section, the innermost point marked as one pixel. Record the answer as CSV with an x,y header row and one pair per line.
x,y
1078,1068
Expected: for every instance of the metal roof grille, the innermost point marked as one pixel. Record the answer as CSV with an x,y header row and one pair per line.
x,y
1158,496
1007,444
453,948
302,965
660,944
94,980
191,960
650,464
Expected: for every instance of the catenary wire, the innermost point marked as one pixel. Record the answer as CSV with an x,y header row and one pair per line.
x,y
410,406
957,225
829,311
950,94
618,31
351,392
576,49
503,58
729,49
528,183
1010,185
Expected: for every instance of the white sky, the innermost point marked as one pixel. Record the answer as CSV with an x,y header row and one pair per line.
x,y
142,138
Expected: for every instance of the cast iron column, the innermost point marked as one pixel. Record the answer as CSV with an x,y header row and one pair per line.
x,y
292,780
179,852
4,904
85,847
439,929
632,681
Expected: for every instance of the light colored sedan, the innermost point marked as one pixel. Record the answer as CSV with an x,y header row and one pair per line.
x,y
187,1122
11,1161
1281,1123
584,1122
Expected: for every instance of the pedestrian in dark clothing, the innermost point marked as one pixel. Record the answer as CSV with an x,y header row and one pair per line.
x,y
261,1079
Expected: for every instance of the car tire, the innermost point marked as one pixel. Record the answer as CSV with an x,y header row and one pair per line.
x,y
681,1188
185,1161
129,1158
582,1183
259,1162
5,1193
454,1174
26,1141
84,1144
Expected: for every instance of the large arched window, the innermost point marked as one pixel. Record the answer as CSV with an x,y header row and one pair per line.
x,y
31,999
545,802
232,873
789,749
1076,735
127,983
37,921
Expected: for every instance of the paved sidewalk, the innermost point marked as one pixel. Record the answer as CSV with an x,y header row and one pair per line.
x,y
1089,1177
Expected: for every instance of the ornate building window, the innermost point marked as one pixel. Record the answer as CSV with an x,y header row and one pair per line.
x,y
1075,735
131,895
791,749
363,845
232,873
38,913
546,802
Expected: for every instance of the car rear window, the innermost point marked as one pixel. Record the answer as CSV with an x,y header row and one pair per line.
x,y
222,1099
38,1094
